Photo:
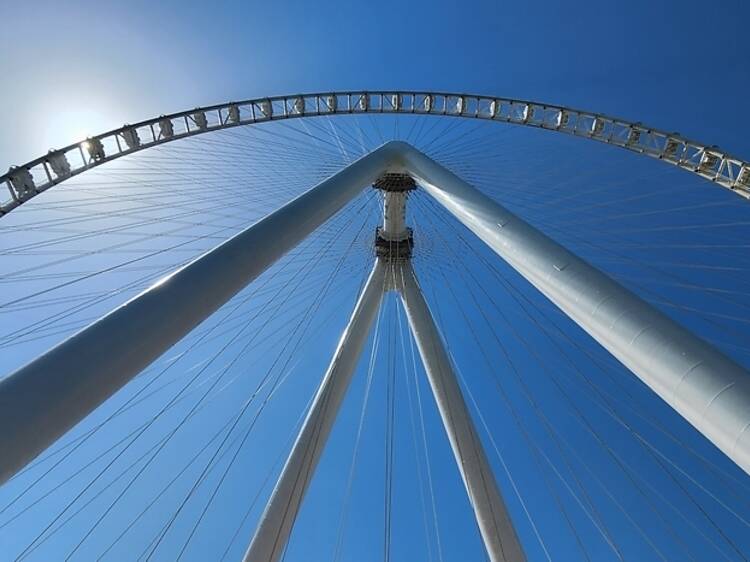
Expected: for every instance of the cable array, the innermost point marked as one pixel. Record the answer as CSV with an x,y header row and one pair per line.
x,y
179,463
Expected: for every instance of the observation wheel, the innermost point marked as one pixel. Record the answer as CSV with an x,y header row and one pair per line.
x,y
376,325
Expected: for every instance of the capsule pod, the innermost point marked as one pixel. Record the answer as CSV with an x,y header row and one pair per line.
x,y
597,127
95,148
233,114
634,136
460,105
59,163
266,109
670,147
708,162
493,109
563,119
22,182
131,138
166,128
299,105
199,118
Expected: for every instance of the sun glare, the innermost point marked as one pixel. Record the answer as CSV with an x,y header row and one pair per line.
x,y
77,123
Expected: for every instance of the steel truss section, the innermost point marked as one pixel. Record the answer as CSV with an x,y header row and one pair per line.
x,y
26,181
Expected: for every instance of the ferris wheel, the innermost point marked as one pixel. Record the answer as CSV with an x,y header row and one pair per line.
x,y
173,285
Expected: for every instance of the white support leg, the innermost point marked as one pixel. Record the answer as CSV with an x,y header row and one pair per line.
x,y
278,518
707,388
41,401
495,526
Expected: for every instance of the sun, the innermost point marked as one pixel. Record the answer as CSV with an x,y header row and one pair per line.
x,y
77,122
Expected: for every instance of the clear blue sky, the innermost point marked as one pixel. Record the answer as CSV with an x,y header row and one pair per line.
x,y
88,66
78,68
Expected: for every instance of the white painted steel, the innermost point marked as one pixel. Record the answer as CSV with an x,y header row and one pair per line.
x,y
707,388
275,526
394,216
36,176
492,516
45,398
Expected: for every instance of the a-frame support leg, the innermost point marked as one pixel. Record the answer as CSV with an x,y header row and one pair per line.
x,y
706,387
281,511
45,398
495,526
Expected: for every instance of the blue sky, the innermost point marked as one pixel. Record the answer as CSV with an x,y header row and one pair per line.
x,y
81,68
86,67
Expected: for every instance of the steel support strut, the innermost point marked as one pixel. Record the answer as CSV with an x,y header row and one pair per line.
x,y
495,526
41,401
278,519
707,388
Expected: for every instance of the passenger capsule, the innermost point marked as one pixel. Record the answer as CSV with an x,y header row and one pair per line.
x,y
460,105
634,136
670,147
708,162
199,117
597,127
166,128
233,114
22,182
59,163
266,109
744,177
95,148
131,138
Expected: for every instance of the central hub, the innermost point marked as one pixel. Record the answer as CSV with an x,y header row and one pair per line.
x,y
394,240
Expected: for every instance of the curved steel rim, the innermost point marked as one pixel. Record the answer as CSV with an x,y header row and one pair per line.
x,y
709,162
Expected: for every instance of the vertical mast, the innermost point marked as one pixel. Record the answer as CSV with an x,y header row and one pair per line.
x,y
277,521
492,516
395,244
